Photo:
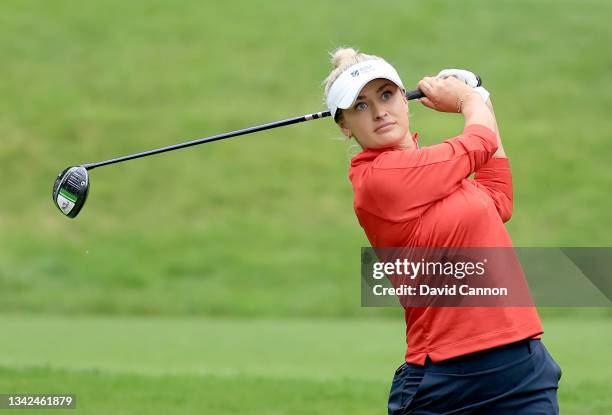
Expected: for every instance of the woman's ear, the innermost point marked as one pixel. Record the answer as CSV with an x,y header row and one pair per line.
x,y
405,99
345,130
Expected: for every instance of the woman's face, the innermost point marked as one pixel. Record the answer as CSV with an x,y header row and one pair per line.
x,y
379,117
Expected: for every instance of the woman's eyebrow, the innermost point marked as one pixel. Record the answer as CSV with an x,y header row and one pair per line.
x,y
378,90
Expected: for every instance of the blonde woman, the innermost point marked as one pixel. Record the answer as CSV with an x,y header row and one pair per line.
x,y
459,360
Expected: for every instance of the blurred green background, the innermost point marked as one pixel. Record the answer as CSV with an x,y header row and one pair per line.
x,y
224,278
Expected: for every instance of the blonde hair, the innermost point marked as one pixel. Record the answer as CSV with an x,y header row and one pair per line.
x,y
343,58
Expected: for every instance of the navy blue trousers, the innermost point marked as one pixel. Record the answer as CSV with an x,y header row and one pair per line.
x,y
519,378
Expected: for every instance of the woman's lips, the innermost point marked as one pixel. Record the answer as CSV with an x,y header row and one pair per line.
x,y
383,126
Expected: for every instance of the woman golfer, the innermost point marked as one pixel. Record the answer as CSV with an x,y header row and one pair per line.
x,y
459,360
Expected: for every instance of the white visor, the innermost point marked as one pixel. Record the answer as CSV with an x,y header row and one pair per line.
x,y
347,87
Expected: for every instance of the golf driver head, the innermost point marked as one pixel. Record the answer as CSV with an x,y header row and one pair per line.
x,y
70,190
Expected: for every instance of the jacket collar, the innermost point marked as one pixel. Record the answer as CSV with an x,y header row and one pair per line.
x,y
369,154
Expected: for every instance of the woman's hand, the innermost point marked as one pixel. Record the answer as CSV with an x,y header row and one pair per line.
x,y
445,95
468,77
453,95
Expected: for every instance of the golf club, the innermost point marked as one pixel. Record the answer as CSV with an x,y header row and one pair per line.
x,y
72,184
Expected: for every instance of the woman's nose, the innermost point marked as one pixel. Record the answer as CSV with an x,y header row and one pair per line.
x,y
379,111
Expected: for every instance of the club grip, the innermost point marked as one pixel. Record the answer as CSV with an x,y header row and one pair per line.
x,y
417,93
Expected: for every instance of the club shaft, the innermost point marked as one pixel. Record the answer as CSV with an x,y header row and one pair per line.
x,y
316,115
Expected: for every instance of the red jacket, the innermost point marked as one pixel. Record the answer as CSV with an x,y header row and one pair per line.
x,y
424,198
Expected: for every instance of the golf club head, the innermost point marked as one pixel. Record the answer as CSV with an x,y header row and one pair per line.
x,y
70,190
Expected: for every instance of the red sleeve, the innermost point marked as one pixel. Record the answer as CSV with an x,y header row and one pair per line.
x,y
407,182
495,178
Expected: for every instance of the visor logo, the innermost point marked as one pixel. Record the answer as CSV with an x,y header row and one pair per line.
x,y
363,69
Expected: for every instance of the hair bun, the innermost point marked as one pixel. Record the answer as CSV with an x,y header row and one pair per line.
x,y
342,54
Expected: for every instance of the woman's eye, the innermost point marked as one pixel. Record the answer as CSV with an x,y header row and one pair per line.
x,y
361,106
386,95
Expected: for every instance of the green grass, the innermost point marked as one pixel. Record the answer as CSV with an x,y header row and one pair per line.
x,y
98,393
269,214
260,366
